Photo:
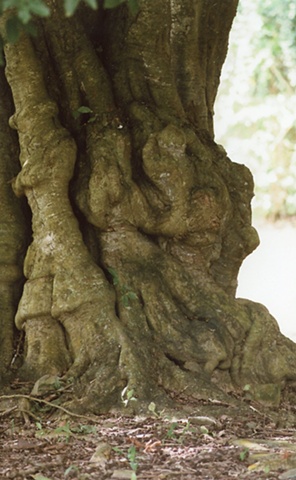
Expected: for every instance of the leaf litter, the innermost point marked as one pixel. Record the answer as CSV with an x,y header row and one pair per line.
x,y
209,442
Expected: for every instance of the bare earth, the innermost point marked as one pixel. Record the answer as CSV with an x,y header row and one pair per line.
x,y
210,441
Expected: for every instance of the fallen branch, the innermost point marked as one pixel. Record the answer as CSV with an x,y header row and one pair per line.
x,y
46,402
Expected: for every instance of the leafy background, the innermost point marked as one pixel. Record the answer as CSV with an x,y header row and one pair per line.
x,y
255,109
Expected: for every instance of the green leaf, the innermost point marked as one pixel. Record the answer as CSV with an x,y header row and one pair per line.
x,y
125,301
80,110
70,7
12,28
84,109
117,450
114,275
70,469
92,4
84,429
130,394
204,430
131,455
112,3
133,6
24,14
170,432
132,295
152,407
244,454
39,8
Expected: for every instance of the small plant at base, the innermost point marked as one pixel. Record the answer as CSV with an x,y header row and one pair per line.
x,y
70,469
126,293
64,431
40,428
244,454
84,429
127,396
170,433
152,409
247,388
204,430
187,429
131,455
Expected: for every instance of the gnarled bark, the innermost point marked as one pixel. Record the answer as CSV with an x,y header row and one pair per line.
x,y
13,232
140,221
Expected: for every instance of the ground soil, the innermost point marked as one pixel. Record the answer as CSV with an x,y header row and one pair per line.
x,y
199,440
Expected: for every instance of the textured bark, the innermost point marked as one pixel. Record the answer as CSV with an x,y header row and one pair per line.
x,y
140,221
13,231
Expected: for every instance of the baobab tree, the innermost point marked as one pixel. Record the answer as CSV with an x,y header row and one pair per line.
x,y
123,223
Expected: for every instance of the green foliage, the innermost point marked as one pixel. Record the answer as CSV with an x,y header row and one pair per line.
x,y
81,110
114,276
126,294
70,7
72,469
112,3
257,102
127,396
170,433
24,10
64,431
277,44
22,13
132,4
132,458
244,455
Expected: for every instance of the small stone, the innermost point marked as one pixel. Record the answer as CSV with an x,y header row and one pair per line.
x,y
102,453
122,474
289,475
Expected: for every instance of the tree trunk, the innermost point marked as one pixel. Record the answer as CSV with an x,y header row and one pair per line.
x,y
140,220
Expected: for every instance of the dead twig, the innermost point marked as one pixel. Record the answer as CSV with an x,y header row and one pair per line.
x,y
8,411
50,404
